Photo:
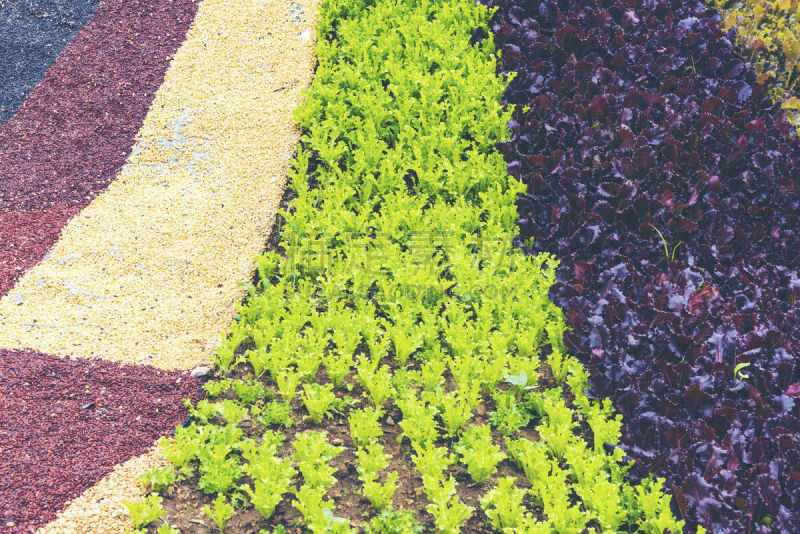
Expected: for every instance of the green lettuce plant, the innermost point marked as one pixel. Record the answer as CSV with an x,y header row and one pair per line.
x,y
478,453
364,426
372,460
157,479
144,512
313,454
318,400
503,505
220,513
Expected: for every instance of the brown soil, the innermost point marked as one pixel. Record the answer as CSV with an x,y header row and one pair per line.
x,y
184,502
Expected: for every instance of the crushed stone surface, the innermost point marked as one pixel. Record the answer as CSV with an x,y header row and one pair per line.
x,y
32,34
148,273
100,509
75,129
65,423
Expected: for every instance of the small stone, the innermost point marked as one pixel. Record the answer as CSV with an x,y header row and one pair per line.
x,y
480,409
389,420
200,372
419,490
337,441
10,523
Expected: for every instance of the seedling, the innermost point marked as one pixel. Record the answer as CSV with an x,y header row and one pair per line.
x,y
455,412
604,424
181,449
510,415
691,67
308,363
431,373
265,495
372,460
448,512
655,507
157,479
380,494
218,470
142,513
503,505
318,400
273,413
248,392
418,421
364,426
214,388
531,457
220,513
287,385
313,454
478,452
394,522
669,257
224,357
338,366
520,382
378,383
310,502
738,373
229,410
259,359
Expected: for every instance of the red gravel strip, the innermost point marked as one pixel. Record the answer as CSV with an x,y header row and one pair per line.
x,y
26,237
75,130
64,424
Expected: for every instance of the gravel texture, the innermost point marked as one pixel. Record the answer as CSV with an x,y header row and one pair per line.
x,y
64,424
75,130
149,271
32,34
99,510
26,236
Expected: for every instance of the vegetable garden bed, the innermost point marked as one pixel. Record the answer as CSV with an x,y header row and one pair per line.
x,y
535,271
668,183
398,366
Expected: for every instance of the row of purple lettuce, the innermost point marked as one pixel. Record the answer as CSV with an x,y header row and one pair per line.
x,y
668,185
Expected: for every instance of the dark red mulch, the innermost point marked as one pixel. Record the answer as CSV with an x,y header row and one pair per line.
x,y
64,424
75,130
26,236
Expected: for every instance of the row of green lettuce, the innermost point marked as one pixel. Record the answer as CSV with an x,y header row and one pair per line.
x,y
396,291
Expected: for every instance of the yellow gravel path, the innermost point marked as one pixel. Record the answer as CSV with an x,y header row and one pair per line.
x,y
99,510
148,272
